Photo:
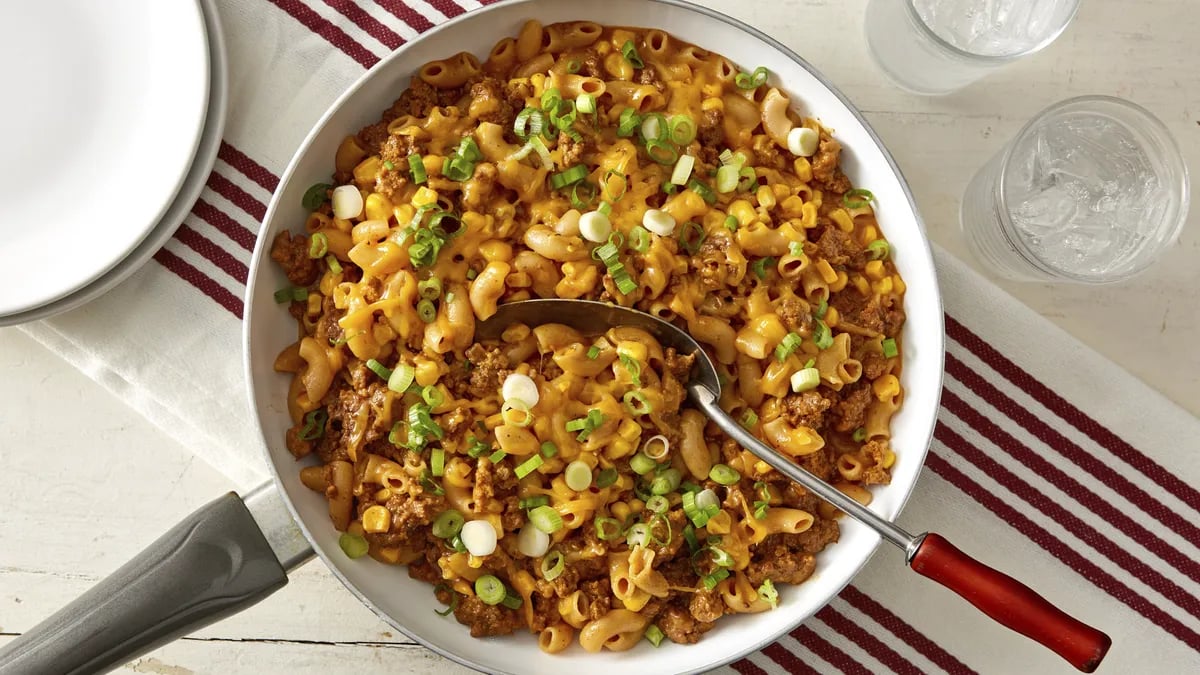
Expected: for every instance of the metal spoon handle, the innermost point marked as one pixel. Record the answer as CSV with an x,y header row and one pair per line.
x,y
784,465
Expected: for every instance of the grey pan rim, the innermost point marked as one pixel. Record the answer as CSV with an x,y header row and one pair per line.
x,y
189,191
925,251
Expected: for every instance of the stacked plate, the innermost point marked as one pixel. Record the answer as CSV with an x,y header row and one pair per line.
x,y
111,131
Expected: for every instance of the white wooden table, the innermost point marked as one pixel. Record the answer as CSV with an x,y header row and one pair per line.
x,y
86,482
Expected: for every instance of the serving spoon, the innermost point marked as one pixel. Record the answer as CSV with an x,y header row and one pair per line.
x,y
998,595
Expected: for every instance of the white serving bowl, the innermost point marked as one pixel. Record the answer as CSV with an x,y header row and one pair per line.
x,y
408,604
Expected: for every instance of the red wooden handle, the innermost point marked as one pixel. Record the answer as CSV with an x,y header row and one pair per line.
x,y
1011,603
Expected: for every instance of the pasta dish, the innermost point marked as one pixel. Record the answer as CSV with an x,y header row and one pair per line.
x,y
560,482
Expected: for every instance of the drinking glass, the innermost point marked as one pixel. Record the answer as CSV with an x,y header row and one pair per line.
x,y
1092,190
938,46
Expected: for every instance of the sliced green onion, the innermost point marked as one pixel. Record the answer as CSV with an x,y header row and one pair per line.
x,y
471,274
606,477
683,170
805,379
629,51
334,265
437,462
490,590
546,519
542,151
528,123
669,188
607,528
689,535
529,466
682,129
291,294
430,289
761,266
641,464
379,369
453,600
314,425
315,196
889,348
720,557
573,66
859,435
497,456
622,184
751,80
633,367
796,249
639,239
661,151
809,363
551,98
585,103
822,309
691,236
653,635
857,198
582,200
401,377
553,565
569,177
666,482
879,249
711,580
768,593
469,149
448,523
353,545
789,343
417,166
658,504
760,509
749,179
628,123
692,510
638,535
578,476
549,449
822,336
727,179
564,115
477,448
731,223
724,474
457,544
750,419
593,352
636,403
534,502
699,187
426,311
521,407
318,245
624,283
512,600
394,434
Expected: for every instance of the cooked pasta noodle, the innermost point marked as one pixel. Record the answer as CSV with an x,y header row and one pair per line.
x,y
556,481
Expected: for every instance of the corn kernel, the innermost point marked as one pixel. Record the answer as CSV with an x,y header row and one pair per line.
x,y
883,286
712,103
808,215
629,430
620,511
743,211
792,206
378,207
886,387
839,283
496,250
474,562
424,196
860,282
765,196
364,173
761,468
314,304
874,269
403,213
869,234
426,371
844,222
803,169
618,448
823,268
898,284
832,317
377,519
382,495
538,80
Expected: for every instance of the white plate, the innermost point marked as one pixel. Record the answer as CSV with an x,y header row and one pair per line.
x,y
409,604
193,184
101,127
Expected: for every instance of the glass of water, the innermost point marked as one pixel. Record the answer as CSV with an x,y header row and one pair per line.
x,y
938,46
1092,190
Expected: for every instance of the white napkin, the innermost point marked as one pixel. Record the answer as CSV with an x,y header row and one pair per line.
x,y
1050,461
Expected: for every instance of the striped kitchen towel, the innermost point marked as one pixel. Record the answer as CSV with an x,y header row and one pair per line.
x,y
1049,462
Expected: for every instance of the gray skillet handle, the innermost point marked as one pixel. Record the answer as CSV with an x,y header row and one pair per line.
x,y
213,564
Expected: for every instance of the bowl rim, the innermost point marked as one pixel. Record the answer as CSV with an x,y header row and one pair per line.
x,y
924,252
